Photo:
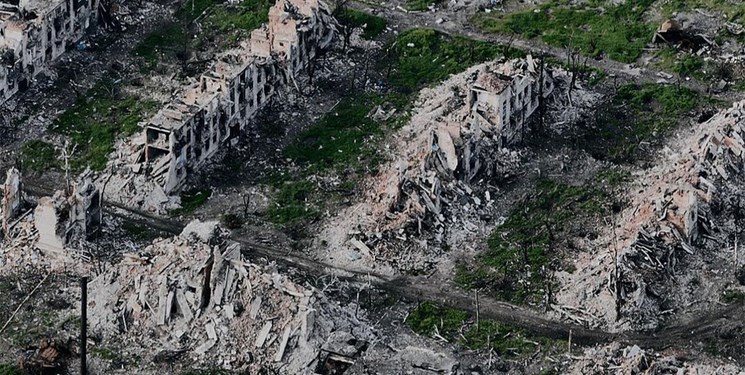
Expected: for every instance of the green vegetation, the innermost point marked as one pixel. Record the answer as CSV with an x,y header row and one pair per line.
x,y
10,369
343,141
457,326
140,232
106,354
418,5
291,204
733,10
423,56
613,176
192,9
230,23
169,38
340,139
97,119
523,251
236,22
594,28
635,114
191,200
231,221
733,295
372,25
684,64
38,156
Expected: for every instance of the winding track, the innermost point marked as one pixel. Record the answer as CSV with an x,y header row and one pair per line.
x,y
709,326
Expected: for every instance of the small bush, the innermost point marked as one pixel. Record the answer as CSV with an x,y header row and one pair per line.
x,y
191,200
231,221
733,295
372,25
38,156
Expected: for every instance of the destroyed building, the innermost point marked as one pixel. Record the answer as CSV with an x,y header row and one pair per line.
x,y
181,137
504,98
34,33
64,217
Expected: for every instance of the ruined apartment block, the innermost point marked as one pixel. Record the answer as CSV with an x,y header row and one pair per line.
x,y
504,98
182,136
35,32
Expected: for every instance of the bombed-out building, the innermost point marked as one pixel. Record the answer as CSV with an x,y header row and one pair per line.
x,y
35,32
183,135
504,97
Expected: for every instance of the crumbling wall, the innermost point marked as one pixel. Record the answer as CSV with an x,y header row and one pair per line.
x,y
64,217
204,117
35,33
12,197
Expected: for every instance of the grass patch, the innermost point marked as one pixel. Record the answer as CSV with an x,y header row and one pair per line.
x,y
636,114
191,200
423,56
455,325
106,354
595,27
372,26
291,203
734,11
613,176
140,232
340,139
167,39
418,5
236,22
732,295
10,369
524,250
97,119
38,156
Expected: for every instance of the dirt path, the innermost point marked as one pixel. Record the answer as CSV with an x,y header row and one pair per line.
x,y
683,335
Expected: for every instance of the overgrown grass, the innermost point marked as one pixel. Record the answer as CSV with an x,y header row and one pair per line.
x,y
166,40
372,26
523,251
230,22
236,22
10,369
734,11
291,203
191,200
38,156
458,326
340,139
97,119
636,114
595,28
732,295
423,56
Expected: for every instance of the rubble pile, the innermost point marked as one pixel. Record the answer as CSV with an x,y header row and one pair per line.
x,y
458,137
195,294
671,222
622,360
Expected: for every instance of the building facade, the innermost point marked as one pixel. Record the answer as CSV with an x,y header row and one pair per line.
x,y
35,33
183,135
